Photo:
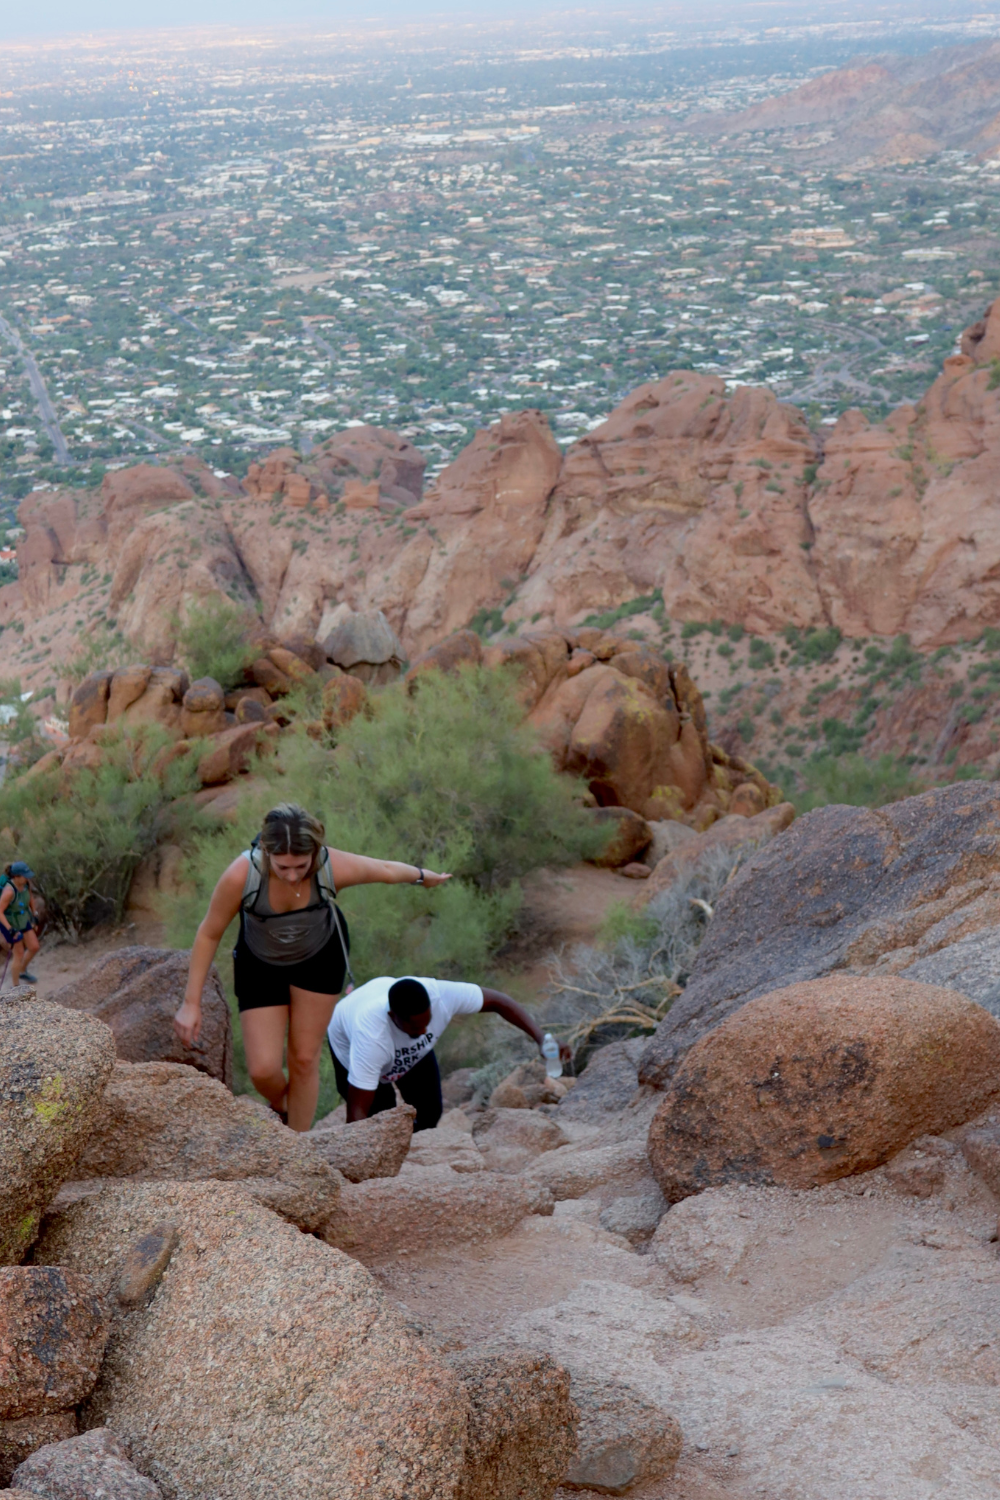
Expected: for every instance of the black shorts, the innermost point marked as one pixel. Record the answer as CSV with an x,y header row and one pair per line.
x,y
259,983
421,1087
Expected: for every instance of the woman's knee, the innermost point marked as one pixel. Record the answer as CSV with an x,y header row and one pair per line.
x,y
303,1061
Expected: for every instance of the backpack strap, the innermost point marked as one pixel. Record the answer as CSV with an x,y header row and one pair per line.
x,y
255,876
328,890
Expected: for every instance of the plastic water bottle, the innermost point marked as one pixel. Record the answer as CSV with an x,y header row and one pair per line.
x,y
550,1052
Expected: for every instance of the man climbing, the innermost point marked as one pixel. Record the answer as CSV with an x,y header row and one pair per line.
x,y
17,920
384,1033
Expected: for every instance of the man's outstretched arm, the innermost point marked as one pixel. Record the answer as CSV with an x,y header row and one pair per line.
x,y
499,1004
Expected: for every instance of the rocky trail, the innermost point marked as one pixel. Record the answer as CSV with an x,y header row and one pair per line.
x,y
753,1256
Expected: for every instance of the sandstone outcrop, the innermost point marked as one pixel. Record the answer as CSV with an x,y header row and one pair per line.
x,y
702,498
137,992
340,1398
822,1080
910,889
162,1121
53,1067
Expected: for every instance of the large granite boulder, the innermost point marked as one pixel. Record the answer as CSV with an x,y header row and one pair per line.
x,y
53,1068
375,1147
521,1432
265,1363
93,1466
53,1329
137,992
822,1080
913,888
166,1122
366,646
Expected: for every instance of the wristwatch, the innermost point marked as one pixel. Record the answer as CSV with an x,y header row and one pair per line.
x,y
420,876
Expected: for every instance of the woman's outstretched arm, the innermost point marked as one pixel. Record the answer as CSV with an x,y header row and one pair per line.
x,y
358,869
222,908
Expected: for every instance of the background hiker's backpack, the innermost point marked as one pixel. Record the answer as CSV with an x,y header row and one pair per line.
x,y
327,890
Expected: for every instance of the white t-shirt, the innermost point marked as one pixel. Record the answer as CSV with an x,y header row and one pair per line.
x,y
375,1051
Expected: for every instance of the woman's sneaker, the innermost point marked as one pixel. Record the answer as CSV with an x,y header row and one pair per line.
x,y
27,977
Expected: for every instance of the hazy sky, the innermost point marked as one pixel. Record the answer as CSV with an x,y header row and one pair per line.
x,y
48,17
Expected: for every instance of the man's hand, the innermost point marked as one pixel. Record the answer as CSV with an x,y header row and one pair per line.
x,y
565,1052
187,1023
431,879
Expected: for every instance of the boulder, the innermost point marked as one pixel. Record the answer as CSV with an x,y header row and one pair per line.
x,y
430,1208
229,754
366,646
127,685
628,835
89,704
707,1235
607,1085
20,1438
294,668
53,1329
93,1466
449,1144
137,991
635,1217
203,709
521,1430
166,1122
375,1147
344,696
159,703
573,1172
730,834
623,1440
511,1138
270,677
821,1080
912,888
250,711
53,1068
266,1363
464,648
528,1086
306,648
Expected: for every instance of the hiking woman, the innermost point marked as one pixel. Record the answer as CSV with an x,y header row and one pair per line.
x,y
290,959
17,920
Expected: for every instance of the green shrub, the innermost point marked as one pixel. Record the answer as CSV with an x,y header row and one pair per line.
x,y
103,649
84,835
645,602
449,777
852,780
213,640
819,645
761,653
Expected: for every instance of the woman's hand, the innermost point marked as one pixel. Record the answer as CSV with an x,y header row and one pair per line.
x,y
187,1022
431,879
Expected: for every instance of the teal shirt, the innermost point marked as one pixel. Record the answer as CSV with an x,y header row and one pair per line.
x,y
18,914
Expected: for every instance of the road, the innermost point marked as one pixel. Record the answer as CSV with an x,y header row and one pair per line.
x,y
45,408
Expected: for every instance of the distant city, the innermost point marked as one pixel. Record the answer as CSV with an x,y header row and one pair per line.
x,y
228,249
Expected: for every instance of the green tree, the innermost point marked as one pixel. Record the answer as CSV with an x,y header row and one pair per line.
x,y
214,640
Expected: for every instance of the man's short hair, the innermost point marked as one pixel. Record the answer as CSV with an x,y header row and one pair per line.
x,y
408,998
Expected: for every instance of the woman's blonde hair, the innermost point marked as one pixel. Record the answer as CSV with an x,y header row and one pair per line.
x,y
290,829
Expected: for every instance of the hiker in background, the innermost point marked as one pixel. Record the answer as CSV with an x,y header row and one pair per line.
x,y
17,920
291,956
383,1034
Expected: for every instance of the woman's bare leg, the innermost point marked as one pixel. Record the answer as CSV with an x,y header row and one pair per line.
x,y
306,1034
22,956
264,1031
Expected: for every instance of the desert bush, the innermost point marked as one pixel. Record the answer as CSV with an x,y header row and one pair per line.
x,y
18,726
850,779
85,834
448,777
627,984
214,640
103,649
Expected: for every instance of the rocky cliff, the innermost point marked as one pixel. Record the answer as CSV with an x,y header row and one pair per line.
x,y
723,503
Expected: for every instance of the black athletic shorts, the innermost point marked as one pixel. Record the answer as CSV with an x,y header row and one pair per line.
x,y
421,1087
259,983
